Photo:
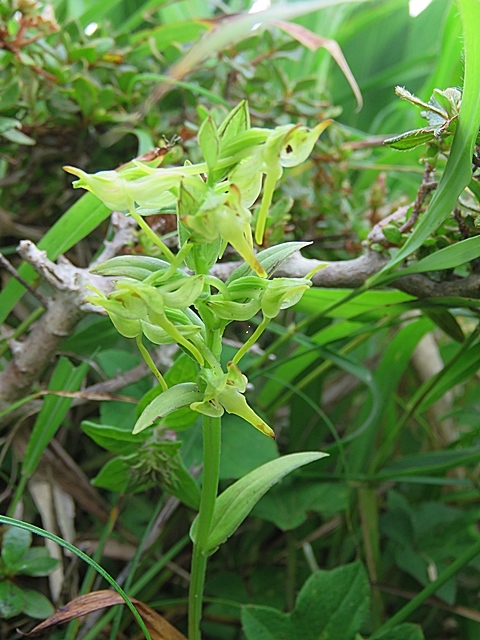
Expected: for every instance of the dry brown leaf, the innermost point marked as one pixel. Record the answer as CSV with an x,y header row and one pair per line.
x,y
313,42
158,627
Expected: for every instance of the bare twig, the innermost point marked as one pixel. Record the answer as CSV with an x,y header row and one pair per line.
x,y
63,311
5,264
428,185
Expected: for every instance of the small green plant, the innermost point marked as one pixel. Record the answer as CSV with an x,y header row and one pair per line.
x,y
156,299
19,558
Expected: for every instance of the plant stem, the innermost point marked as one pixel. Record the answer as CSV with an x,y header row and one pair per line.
x,y
150,233
211,468
251,341
151,365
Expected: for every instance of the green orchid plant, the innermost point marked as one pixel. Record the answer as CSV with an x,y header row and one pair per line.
x,y
159,299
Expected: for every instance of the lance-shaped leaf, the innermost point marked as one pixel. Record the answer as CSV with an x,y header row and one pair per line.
x,y
237,122
235,503
209,142
446,258
181,395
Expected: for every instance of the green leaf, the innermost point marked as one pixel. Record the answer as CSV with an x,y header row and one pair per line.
x,y
170,400
446,258
209,142
18,137
458,170
37,564
411,139
15,544
65,377
10,96
12,599
114,439
37,605
8,123
288,505
270,259
76,223
431,462
332,604
266,623
184,369
454,373
184,487
235,503
86,95
235,441
114,476
405,631
92,335
237,121
375,303
447,322
83,556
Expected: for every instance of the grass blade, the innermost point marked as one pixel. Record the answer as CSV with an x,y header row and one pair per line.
x,y
458,170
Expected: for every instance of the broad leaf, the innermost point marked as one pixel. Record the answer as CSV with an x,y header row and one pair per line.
x,y
15,543
332,604
36,604
405,631
112,438
12,599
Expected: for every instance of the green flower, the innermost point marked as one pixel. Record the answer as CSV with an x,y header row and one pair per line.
x,y
135,308
224,392
287,146
282,293
221,215
121,191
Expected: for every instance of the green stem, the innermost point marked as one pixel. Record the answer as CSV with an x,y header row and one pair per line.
x,y
211,468
18,495
294,329
251,341
151,365
429,590
153,236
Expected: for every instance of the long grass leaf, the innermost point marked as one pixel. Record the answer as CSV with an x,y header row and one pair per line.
x,y
458,170
76,223
64,378
234,29
13,522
